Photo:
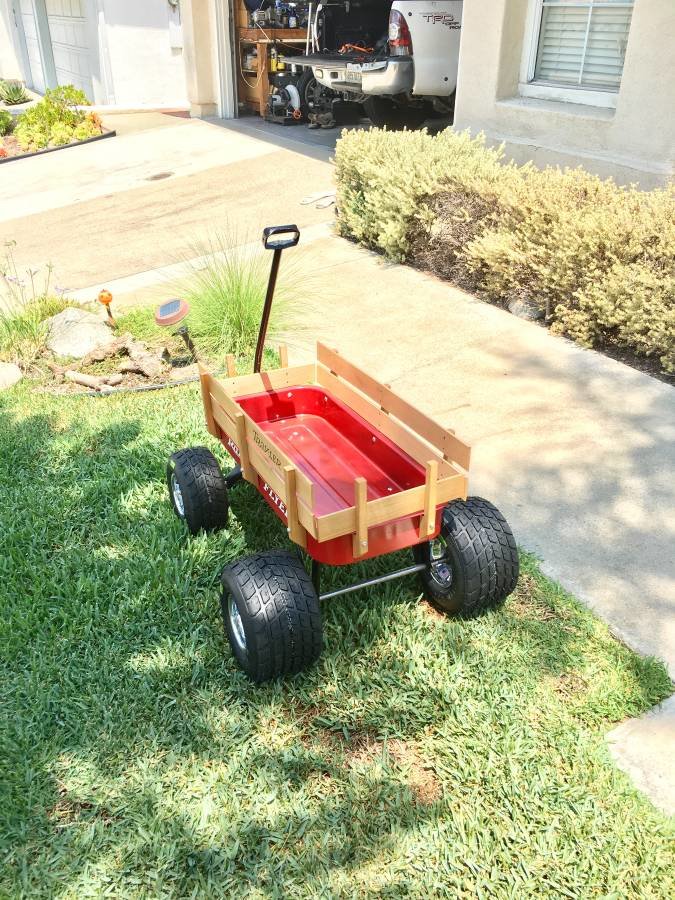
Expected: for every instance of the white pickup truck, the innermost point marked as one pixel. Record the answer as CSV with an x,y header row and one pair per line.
x,y
399,59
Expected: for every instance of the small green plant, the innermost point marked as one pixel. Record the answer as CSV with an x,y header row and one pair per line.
x,y
46,122
226,292
12,92
61,134
26,300
6,122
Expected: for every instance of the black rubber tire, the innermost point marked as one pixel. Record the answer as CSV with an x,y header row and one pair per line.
x,y
202,488
279,611
470,561
504,550
394,116
308,88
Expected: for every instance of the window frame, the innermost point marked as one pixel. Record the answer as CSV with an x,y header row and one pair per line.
x,y
551,90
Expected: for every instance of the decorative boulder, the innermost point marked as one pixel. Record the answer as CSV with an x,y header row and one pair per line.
x,y
10,373
74,333
526,309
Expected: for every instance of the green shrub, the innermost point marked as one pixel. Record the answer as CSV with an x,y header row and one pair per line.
x,y
6,122
55,111
61,134
85,130
597,258
11,93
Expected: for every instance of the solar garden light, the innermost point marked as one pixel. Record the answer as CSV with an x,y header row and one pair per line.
x,y
171,313
105,299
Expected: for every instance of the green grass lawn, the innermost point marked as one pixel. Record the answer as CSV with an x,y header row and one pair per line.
x,y
421,757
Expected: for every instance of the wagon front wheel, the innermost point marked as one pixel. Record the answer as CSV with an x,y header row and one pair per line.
x,y
271,615
197,489
467,571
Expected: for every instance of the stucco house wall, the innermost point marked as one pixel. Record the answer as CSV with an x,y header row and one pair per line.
x,y
634,142
133,51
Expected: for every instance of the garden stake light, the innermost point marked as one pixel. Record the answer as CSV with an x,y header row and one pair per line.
x,y
105,299
171,313
354,472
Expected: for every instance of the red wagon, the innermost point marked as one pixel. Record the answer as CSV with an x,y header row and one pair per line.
x,y
353,471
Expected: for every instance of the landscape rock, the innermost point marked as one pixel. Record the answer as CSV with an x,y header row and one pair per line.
x,y
10,373
74,333
526,309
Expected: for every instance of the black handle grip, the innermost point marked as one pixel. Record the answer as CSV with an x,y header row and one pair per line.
x,y
282,243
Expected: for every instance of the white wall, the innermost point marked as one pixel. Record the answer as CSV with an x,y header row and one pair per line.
x,y
635,142
144,70
10,62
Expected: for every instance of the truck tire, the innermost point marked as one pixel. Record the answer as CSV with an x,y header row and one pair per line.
x,y
271,615
197,489
461,571
312,94
383,112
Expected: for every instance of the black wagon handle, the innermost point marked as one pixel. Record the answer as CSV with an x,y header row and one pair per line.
x,y
278,244
281,243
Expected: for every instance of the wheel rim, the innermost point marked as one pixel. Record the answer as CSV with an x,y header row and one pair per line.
x,y
439,562
177,495
237,625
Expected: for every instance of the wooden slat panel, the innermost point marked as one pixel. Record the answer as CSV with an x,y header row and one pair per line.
x,y
428,522
247,468
283,356
267,381
386,509
295,531
410,443
224,421
221,396
360,542
231,365
205,378
269,460
449,445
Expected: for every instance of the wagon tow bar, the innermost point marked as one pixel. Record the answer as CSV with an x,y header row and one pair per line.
x,y
278,245
359,585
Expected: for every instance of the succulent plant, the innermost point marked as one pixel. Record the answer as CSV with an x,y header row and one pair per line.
x,y
12,92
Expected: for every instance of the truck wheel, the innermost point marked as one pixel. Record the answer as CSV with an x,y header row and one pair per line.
x,y
197,489
271,615
385,113
314,97
461,573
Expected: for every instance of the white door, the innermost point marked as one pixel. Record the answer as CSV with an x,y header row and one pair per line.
x,y
36,76
70,43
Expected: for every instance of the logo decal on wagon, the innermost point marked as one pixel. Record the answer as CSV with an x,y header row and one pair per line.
x,y
233,447
275,498
266,449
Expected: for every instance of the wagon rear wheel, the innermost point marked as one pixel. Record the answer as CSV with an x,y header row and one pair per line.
x,y
472,565
271,615
197,489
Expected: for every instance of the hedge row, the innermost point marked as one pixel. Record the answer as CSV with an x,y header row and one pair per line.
x,y
597,259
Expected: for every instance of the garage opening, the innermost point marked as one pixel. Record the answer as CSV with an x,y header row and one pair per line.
x,y
340,62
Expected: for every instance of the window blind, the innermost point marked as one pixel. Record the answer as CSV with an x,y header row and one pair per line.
x,y
582,43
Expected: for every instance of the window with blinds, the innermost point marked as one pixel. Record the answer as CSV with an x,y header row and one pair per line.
x,y
582,43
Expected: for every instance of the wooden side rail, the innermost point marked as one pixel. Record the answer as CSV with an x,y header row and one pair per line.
x,y
451,447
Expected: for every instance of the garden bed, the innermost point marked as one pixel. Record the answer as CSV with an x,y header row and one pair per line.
x,y
14,151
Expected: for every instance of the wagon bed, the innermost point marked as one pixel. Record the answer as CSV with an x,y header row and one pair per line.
x,y
351,468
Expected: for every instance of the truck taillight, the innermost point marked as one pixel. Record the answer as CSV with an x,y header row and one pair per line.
x,y
400,42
